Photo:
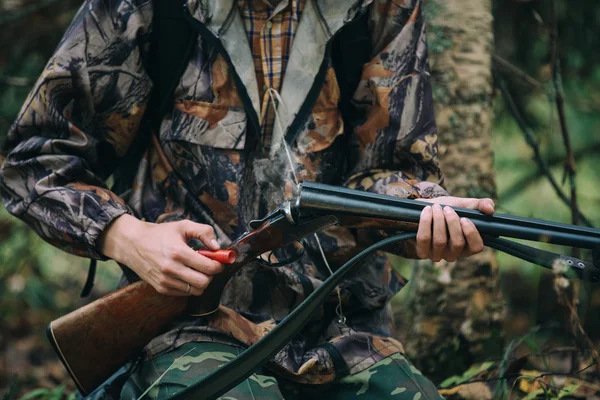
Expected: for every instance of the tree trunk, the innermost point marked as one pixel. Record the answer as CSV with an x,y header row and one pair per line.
x,y
454,310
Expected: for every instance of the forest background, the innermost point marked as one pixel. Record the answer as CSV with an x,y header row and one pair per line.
x,y
517,91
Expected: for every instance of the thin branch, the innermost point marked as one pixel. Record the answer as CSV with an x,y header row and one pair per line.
x,y
579,327
517,71
590,149
560,106
518,186
570,161
532,142
588,367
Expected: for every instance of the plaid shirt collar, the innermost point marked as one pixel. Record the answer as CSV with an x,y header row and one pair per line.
x,y
270,28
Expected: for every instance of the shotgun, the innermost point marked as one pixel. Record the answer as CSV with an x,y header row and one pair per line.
x,y
94,341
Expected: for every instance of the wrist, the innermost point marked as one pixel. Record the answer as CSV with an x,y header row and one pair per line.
x,y
115,240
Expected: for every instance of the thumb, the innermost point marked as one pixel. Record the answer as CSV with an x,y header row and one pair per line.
x,y
205,233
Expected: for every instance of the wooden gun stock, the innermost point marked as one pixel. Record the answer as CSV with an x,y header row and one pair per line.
x,y
96,340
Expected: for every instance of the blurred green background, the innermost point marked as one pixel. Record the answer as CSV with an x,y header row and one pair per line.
x,y
39,283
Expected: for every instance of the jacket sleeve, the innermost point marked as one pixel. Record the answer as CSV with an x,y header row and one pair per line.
x,y
393,147
78,121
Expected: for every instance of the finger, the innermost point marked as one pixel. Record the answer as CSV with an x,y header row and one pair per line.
x,y
205,233
474,240
423,247
196,279
174,287
456,240
440,236
190,258
486,206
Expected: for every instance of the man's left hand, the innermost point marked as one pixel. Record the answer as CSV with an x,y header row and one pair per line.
x,y
443,235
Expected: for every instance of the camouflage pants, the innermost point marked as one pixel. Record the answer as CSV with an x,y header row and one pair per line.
x,y
391,378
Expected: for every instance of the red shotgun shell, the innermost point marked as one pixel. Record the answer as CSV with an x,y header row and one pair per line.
x,y
222,256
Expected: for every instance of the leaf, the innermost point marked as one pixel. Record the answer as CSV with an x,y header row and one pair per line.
x,y
568,390
57,393
470,373
528,385
533,395
475,390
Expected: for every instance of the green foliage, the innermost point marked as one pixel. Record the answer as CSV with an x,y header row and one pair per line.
x,y
467,375
536,393
26,67
568,391
58,393
19,278
34,275
13,391
564,392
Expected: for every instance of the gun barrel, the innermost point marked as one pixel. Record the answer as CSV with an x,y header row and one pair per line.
x,y
320,198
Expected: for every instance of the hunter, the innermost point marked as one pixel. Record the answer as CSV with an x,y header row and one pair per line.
x,y
272,93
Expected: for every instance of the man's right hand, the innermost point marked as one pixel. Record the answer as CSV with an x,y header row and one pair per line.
x,y
159,253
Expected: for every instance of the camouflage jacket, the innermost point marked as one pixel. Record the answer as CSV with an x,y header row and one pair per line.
x,y
369,126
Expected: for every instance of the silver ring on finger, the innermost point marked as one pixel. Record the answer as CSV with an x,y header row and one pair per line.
x,y
189,288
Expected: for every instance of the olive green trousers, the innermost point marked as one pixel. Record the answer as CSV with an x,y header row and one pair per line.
x,y
394,377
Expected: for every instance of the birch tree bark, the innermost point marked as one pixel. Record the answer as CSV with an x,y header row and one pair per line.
x,y
455,310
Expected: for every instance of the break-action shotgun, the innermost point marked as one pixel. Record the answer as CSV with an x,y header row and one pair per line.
x,y
96,340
